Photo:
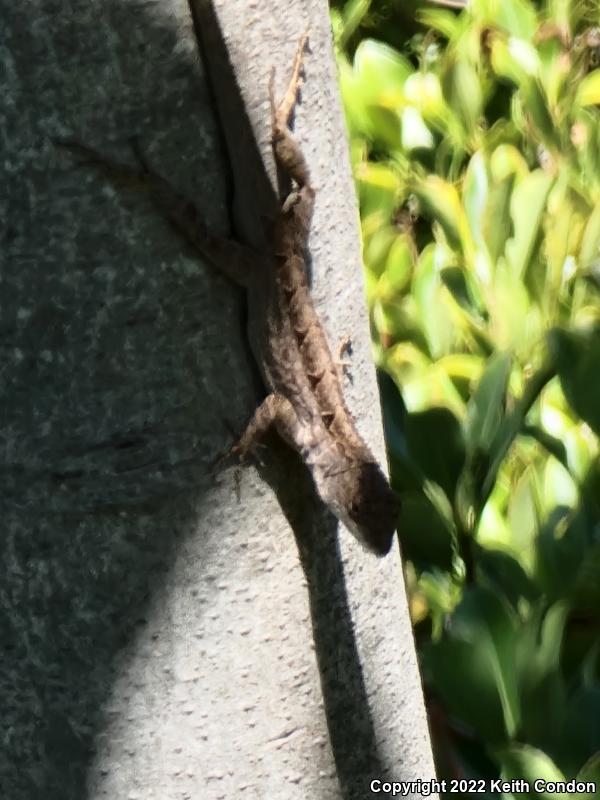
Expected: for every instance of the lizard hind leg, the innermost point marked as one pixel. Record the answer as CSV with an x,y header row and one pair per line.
x,y
286,149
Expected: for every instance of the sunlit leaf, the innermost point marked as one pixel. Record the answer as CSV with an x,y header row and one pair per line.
x,y
398,267
507,161
353,13
465,94
523,762
590,245
415,132
425,92
475,196
523,518
516,322
427,288
440,19
559,487
379,189
442,595
381,73
442,201
588,91
526,209
514,59
517,17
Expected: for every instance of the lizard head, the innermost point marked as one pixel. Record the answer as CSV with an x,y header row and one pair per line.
x,y
365,503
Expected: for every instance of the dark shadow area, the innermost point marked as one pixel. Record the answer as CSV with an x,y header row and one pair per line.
x,y
114,366
116,363
347,709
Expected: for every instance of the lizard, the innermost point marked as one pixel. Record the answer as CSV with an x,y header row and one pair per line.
x,y
305,402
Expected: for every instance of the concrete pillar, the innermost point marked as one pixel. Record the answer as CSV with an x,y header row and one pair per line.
x,y
166,636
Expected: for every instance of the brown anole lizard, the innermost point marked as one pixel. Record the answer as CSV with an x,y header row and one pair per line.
x,y
305,401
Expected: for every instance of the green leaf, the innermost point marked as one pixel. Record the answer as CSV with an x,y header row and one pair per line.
x,y
591,770
567,217
442,595
517,17
435,442
495,222
503,574
424,91
381,73
541,684
559,487
475,196
527,207
462,286
530,764
562,544
514,59
373,91
506,161
379,189
439,19
536,109
515,319
419,514
590,245
462,678
512,425
552,444
547,654
588,91
581,728
485,409
485,413
586,591
383,126
353,13
441,199
465,95
576,356
415,133
426,291
399,264
522,517
473,665
377,247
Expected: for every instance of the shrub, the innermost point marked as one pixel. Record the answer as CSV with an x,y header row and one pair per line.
x,y
476,155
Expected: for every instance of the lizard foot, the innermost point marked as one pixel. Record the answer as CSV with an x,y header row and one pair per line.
x,y
343,364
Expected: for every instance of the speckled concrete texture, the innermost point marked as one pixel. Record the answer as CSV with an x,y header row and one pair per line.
x,y
164,635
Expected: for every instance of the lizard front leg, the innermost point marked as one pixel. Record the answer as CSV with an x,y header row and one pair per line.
x,y
275,410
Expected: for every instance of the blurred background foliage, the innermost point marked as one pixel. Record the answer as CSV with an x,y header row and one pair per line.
x,y
475,143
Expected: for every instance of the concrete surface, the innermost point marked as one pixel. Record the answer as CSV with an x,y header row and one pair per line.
x,y
163,638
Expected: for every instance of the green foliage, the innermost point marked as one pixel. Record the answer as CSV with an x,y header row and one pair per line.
x,y
476,155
